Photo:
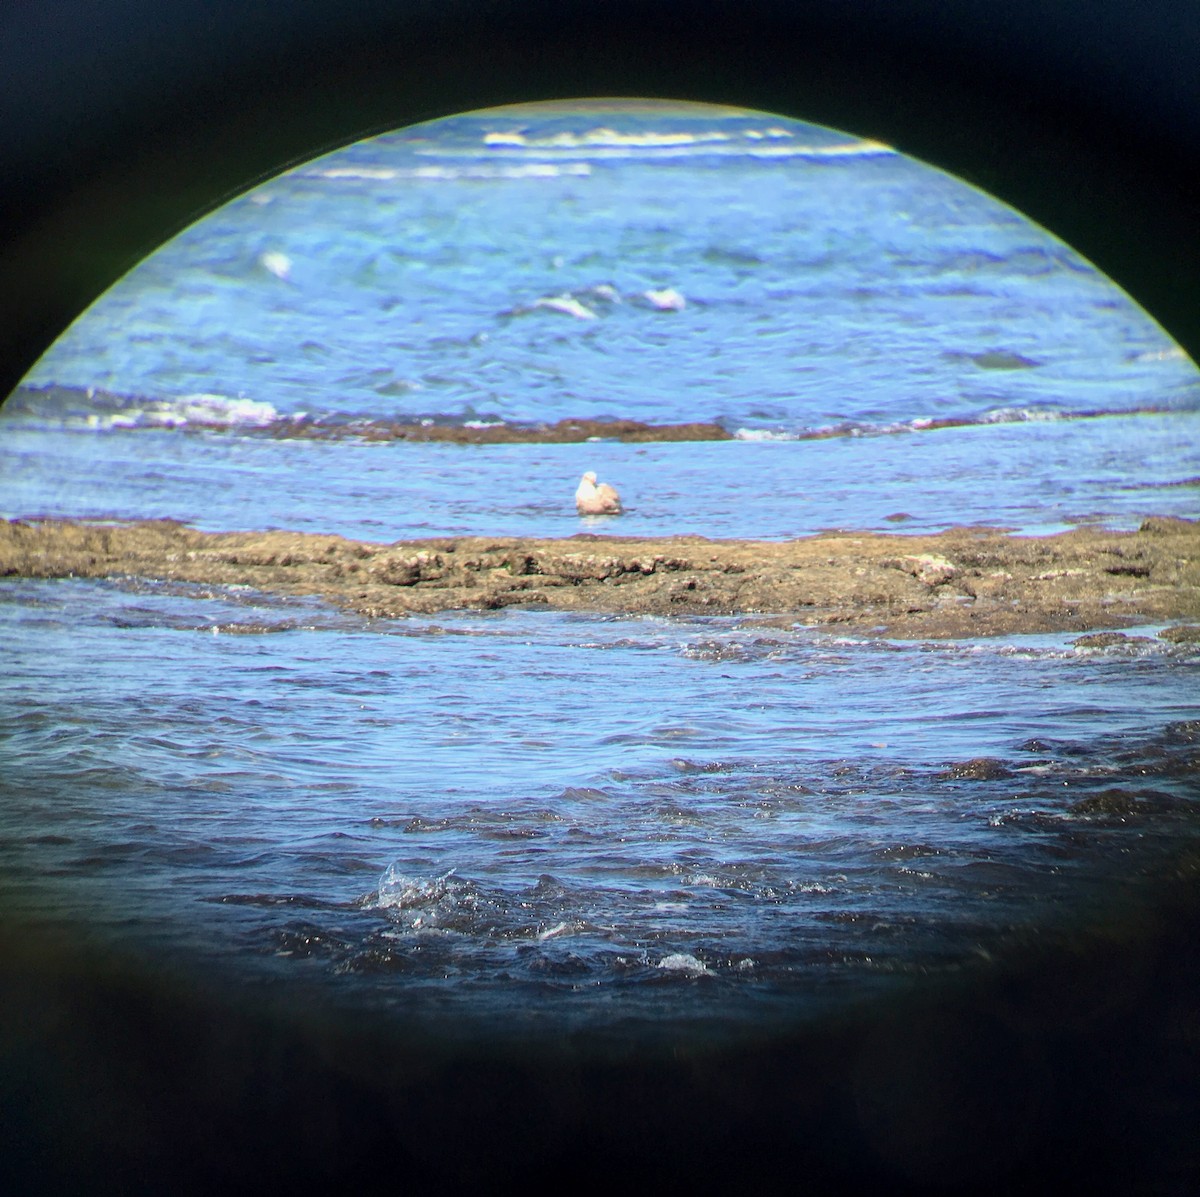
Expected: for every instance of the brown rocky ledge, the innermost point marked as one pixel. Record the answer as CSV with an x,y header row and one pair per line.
x,y
563,432
963,582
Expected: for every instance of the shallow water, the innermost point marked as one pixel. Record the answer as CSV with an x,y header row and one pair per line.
x,y
1032,478
548,819
482,812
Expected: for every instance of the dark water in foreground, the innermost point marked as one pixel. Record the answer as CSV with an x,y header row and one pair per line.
x,y
538,816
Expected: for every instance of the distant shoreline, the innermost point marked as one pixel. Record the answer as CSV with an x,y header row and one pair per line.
x,y
965,582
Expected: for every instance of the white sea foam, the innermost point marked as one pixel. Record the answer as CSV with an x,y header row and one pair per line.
x,y
400,892
558,929
666,299
510,139
682,962
1018,415
772,142
568,305
198,410
600,153
218,409
603,136
1172,353
276,263
763,434
998,415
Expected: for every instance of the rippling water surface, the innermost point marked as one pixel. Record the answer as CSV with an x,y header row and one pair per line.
x,y
563,817
552,812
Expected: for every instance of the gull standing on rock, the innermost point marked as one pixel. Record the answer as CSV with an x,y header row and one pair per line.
x,y
591,499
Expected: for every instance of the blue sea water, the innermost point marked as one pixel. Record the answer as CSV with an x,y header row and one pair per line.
x,y
567,817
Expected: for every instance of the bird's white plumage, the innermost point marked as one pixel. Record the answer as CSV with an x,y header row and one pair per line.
x,y
594,498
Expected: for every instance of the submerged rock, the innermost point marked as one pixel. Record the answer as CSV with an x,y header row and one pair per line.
x,y
1108,639
1003,359
1036,745
1111,803
994,359
980,768
1167,524
1184,633
1186,731
1119,803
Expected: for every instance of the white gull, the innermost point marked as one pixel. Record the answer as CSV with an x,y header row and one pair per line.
x,y
593,499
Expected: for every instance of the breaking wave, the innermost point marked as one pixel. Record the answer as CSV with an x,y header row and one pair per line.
x,y
100,410
774,141
91,409
995,415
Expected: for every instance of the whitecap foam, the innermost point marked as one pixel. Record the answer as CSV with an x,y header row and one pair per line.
x,y
849,149
763,434
400,892
197,411
603,141
1172,353
682,962
509,139
563,928
1018,415
276,263
604,136
204,408
997,415
665,299
567,305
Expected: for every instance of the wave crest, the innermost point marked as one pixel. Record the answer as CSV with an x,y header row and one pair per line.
x,y
94,408
603,142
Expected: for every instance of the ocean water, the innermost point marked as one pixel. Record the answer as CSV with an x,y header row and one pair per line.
x,y
532,819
